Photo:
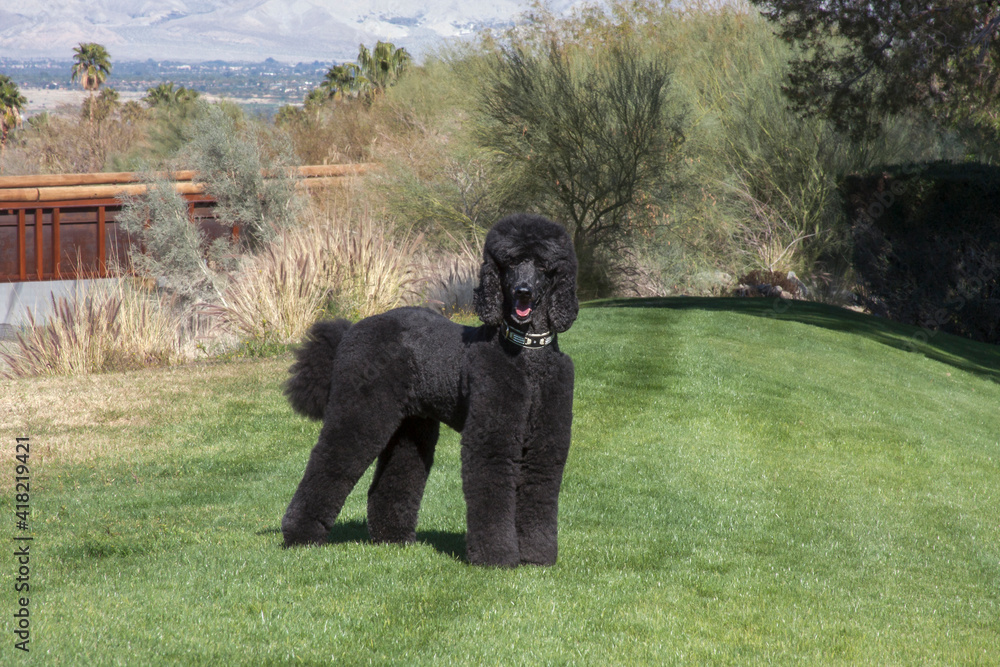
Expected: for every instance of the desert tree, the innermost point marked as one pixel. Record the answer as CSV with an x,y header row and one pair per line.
x,y
91,66
11,104
858,60
585,137
160,95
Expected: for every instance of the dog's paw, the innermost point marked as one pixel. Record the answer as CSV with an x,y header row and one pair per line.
x,y
385,534
493,557
305,532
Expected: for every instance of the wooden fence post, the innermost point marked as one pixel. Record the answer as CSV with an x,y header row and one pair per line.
x,y
39,249
102,266
56,255
22,247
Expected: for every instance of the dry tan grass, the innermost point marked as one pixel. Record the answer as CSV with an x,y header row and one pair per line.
x,y
94,417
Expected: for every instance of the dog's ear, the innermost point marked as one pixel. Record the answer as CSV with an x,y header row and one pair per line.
x,y
564,307
487,298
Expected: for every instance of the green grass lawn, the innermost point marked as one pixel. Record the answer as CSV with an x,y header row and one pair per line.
x,y
745,486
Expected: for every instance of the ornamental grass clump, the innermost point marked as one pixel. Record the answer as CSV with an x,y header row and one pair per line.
x,y
114,327
332,265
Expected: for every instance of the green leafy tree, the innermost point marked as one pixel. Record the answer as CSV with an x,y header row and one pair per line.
x,y
92,66
587,137
860,60
11,104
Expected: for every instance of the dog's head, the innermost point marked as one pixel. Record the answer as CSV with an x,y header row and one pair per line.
x,y
528,275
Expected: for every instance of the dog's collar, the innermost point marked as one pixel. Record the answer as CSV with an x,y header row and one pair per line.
x,y
530,341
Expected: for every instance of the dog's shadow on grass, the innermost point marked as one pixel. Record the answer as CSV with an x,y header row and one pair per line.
x,y
449,543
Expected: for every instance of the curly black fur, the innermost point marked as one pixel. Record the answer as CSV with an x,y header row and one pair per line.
x,y
308,390
383,385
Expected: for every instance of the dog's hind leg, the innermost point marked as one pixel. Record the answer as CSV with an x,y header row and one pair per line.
x,y
398,485
349,443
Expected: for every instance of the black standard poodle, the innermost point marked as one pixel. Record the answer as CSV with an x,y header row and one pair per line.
x,y
382,385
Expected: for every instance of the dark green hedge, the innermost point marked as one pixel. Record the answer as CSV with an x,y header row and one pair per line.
x,y
926,242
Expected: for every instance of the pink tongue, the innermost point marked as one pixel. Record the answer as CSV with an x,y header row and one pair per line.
x,y
523,312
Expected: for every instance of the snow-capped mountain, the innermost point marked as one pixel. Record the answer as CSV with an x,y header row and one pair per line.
x,y
251,30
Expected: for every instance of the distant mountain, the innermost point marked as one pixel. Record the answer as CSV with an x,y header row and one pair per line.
x,y
244,30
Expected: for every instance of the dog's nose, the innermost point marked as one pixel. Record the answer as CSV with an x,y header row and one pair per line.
x,y
522,293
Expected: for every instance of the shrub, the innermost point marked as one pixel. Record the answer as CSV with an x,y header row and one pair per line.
x,y
173,252
229,155
927,243
584,137
247,171
331,131
63,142
432,176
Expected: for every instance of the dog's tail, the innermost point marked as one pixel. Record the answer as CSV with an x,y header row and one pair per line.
x,y
308,390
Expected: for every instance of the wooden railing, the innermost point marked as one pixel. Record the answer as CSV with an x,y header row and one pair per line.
x,y
64,226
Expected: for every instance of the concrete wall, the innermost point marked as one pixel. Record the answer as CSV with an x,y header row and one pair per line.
x,y
16,299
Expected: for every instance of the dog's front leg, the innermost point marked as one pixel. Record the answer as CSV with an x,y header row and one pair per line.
x,y
491,444
545,453
489,482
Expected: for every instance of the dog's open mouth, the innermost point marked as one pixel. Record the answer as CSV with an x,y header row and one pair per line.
x,y
522,308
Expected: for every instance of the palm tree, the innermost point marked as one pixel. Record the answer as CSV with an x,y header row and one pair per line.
x,y
132,112
375,71
161,95
342,79
11,103
185,95
107,102
318,96
166,95
92,66
382,66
